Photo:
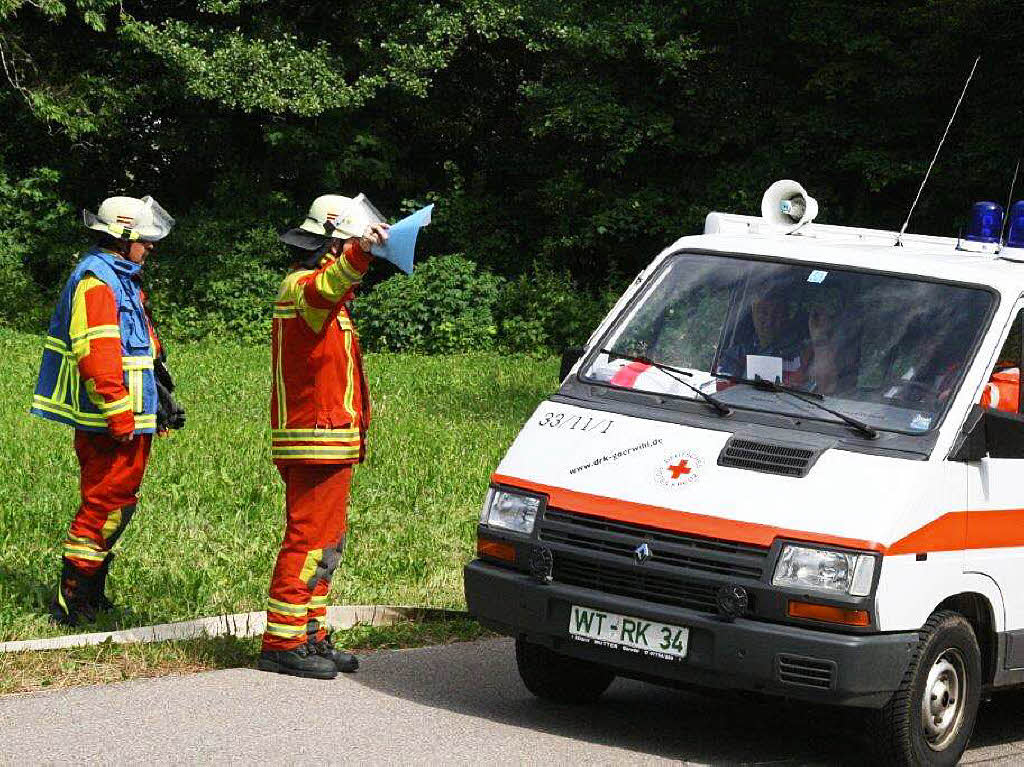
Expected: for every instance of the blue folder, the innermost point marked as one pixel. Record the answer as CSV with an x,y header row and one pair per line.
x,y
400,248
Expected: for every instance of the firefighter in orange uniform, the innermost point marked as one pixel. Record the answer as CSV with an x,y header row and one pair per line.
x,y
97,375
319,413
1002,392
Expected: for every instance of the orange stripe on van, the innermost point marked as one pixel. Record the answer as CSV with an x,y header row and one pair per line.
x,y
953,531
982,529
947,533
995,529
678,521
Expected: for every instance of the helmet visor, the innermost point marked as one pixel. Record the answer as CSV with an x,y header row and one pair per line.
x,y
92,221
157,221
358,215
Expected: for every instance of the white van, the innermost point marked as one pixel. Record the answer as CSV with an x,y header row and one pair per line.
x,y
769,471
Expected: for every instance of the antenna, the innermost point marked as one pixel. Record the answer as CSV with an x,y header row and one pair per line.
x,y
899,237
1009,197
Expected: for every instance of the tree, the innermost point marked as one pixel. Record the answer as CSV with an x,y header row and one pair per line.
x,y
566,135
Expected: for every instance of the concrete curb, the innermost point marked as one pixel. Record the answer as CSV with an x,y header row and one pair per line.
x,y
239,625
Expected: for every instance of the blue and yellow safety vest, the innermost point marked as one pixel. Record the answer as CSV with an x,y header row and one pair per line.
x,y
60,394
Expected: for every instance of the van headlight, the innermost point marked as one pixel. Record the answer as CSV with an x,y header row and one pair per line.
x,y
510,510
833,572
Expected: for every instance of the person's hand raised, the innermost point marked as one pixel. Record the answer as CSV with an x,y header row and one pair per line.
x,y
375,234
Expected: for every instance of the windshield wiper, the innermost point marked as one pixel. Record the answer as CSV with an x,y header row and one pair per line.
x,y
811,398
674,374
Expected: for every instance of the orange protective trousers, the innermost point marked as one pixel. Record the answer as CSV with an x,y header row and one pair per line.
x,y
111,473
316,500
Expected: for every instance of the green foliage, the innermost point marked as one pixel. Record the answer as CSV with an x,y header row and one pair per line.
x,y
221,281
37,235
18,294
451,305
445,306
237,71
547,311
575,136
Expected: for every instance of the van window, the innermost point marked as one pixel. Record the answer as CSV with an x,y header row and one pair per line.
x,y
1002,390
888,350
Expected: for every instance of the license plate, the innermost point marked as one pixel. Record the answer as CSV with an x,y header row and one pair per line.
x,y
661,640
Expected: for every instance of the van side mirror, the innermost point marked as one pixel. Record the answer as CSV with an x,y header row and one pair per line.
x,y
992,433
570,356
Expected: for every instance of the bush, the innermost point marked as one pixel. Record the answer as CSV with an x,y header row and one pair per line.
x,y
21,302
544,310
37,246
219,271
445,306
217,281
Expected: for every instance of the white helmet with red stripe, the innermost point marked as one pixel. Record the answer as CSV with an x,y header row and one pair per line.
x,y
348,216
129,218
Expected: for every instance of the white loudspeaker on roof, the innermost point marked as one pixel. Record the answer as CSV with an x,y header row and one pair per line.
x,y
787,206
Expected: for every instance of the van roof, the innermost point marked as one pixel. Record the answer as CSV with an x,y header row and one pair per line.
x,y
920,255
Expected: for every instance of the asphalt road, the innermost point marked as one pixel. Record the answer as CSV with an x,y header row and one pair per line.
x,y
458,704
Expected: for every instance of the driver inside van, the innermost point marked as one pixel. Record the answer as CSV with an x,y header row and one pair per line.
x,y
832,355
769,320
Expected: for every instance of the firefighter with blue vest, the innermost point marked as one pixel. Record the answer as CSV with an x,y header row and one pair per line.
x,y
97,376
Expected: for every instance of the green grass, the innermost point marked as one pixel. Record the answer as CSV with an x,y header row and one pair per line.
x,y
211,510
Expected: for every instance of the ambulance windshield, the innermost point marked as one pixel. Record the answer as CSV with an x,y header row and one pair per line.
x,y
890,351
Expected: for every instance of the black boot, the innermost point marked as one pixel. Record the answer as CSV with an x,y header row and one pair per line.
x,y
99,596
301,661
74,603
343,661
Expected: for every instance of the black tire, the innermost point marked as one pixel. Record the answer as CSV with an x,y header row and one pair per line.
x,y
948,652
559,678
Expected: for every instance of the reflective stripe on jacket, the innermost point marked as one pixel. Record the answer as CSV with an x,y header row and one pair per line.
x,y
320,405
61,393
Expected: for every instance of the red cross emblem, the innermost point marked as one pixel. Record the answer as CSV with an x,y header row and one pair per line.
x,y
679,469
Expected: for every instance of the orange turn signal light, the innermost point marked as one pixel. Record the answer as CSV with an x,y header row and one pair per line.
x,y
829,614
506,552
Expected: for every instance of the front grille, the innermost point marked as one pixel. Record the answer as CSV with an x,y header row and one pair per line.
x,y
682,570
806,672
787,460
678,550
633,581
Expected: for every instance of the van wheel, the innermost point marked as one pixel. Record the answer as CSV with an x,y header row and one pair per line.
x,y
559,678
929,719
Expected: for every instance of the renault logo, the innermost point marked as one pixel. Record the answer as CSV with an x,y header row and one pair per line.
x,y
642,553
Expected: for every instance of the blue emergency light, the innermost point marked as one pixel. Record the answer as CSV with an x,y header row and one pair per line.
x,y
986,222
1015,238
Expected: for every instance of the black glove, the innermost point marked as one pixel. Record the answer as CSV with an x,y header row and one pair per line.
x,y
169,414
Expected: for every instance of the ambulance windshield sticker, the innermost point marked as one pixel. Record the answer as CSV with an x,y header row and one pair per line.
x,y
920,422
817,276
681,467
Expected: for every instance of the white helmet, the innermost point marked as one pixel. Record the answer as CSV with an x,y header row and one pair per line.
x,y
348,216
129,218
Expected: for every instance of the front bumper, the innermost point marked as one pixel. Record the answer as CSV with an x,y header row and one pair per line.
x,y
792,661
